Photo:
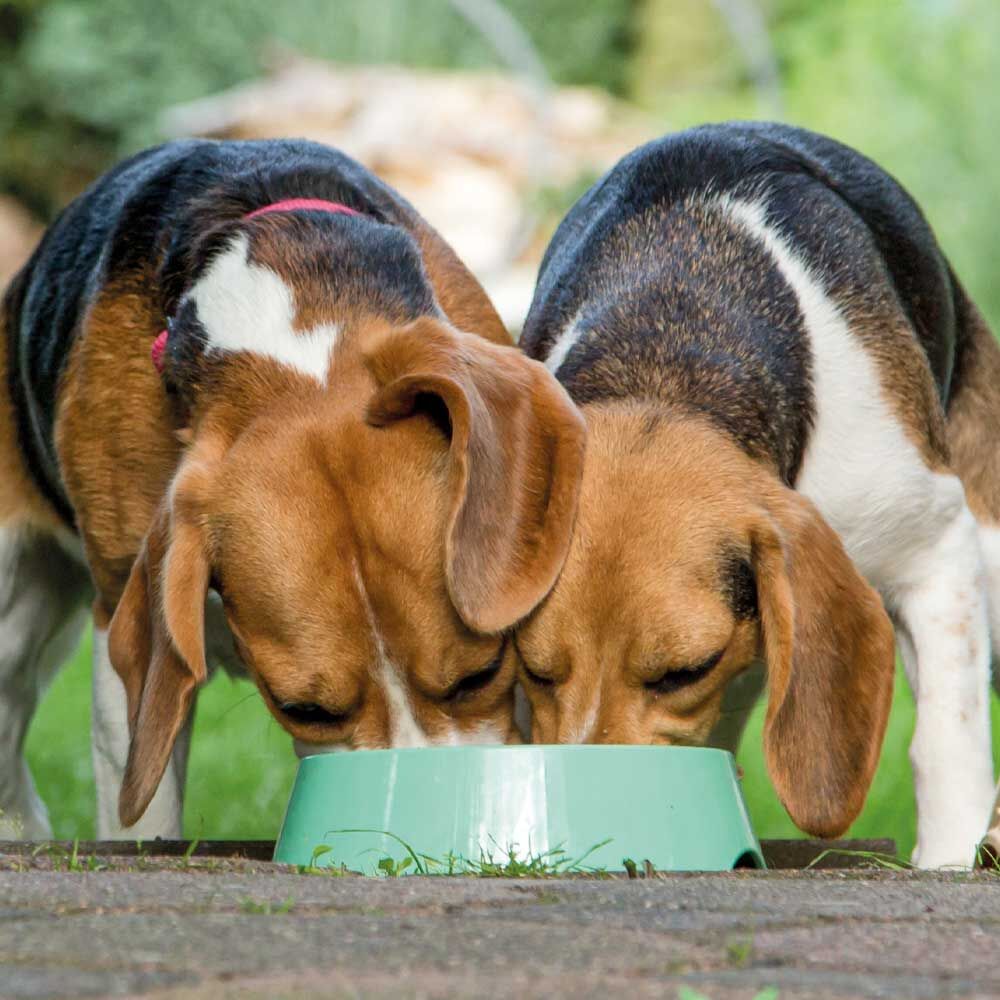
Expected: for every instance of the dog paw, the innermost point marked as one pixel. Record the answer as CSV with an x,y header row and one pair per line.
x,y
961,855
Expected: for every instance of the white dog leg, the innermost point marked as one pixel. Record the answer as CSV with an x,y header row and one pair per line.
x,y
42,613
109,746
989,537
989,543
940,605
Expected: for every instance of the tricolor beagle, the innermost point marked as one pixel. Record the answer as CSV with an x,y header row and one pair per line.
x,y
235,390
793,413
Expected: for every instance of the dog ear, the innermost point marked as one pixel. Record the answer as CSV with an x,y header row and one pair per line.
x,y
156,640
830,654
516,462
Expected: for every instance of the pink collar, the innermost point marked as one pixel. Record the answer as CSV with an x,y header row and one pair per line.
x,y
302,204
159,347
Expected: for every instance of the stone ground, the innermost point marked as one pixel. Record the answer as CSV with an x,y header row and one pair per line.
x,y
222,927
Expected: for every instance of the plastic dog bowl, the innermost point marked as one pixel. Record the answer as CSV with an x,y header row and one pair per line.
x,y
678,807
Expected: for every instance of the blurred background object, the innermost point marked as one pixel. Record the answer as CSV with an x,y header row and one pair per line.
x,y
476,152
492,116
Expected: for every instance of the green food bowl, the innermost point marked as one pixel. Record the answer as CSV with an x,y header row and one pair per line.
x,y
559,807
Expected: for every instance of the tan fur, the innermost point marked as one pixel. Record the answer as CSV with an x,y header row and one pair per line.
x,y
517,446
903,372
331,522
830,652
20,502
115,478
865,294
462,298
974,421
665,498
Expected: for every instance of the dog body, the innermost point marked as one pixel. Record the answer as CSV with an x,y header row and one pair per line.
x,y
239,415
768,344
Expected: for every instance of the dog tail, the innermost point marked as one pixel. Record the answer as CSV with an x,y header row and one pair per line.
x,y
973,411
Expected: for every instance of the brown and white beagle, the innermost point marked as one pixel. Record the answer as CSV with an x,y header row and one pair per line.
x,y
330,468
793,413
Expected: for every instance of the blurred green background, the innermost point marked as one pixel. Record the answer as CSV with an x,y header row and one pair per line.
x,y
912,83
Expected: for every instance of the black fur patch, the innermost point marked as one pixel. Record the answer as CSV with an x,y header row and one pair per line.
x,y
687,310
357,258
739,585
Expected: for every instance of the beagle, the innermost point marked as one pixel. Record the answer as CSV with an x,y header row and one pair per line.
x,y
253,410
792,411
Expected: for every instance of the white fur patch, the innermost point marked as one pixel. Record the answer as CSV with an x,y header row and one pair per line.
x,y
484,734
563,344
908,530
859,468
246,307
404,730
584,731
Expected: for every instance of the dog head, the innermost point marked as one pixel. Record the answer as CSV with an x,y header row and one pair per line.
x,y
372,534
690,561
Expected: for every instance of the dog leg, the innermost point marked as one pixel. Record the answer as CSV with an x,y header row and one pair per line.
x,y
989,538
43,597
989,535
109,747
939,604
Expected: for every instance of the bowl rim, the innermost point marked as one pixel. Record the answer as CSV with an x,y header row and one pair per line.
x,y
496,749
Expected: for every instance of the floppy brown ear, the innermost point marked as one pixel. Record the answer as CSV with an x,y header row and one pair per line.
x,y
517,444
830,656
156,644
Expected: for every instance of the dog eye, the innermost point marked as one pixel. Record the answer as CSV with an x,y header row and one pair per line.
x,y
675,680
480,679
309,714
537,678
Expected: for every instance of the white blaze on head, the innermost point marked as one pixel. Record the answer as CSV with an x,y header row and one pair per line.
x,y
246,307
404,730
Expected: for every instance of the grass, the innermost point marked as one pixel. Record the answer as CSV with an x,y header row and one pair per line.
x,y
70,860
506,863
242,767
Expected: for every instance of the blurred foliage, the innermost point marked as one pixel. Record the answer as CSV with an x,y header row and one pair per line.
x,y
83,81
911,83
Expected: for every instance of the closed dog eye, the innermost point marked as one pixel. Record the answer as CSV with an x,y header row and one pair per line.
x,y
479,680
676,679
537,678
530,674
307,713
